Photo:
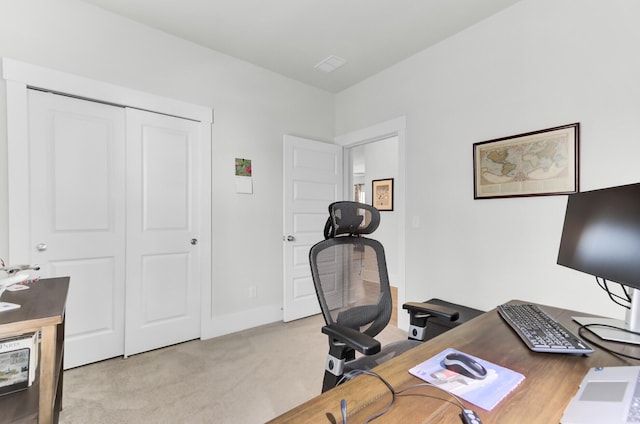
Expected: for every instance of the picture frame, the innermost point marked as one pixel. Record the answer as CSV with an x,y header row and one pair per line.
x,y
537,163
382,194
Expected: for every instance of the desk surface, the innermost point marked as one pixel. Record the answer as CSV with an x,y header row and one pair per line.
x,y
551,380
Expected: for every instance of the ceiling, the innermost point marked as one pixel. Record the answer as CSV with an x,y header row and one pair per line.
x,y
291,36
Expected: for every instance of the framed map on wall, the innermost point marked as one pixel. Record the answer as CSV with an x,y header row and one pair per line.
x,y
538,163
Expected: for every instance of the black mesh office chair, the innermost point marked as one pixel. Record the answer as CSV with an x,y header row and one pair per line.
x,y
350,277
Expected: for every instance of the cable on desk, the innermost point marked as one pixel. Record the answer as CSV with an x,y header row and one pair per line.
x,y
394,393
355,373
427,384
606,349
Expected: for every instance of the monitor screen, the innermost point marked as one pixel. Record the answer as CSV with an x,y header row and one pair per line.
x,y
601,234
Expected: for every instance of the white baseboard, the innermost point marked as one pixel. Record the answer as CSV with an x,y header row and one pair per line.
x,y
231,323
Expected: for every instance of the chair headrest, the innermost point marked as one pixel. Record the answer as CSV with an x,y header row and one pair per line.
x,y
351,218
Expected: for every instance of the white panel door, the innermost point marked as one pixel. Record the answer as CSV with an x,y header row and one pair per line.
x,y
77,214
312,180
163,206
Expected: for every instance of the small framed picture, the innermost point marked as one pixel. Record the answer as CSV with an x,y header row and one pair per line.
x,y
382,194
538,163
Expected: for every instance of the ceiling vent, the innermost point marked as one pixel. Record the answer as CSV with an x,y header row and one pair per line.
x,y
330,64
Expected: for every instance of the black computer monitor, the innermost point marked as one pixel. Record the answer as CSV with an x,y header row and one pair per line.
x,y
601,237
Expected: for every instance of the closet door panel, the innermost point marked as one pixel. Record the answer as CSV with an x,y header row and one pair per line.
x,y
166,179
163,221
166,298
84,144
77,211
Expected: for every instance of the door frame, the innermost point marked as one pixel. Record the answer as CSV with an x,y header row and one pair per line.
x,y
21,76
394,127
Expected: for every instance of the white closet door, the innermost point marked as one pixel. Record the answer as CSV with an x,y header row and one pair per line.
x,y
163,206
77,214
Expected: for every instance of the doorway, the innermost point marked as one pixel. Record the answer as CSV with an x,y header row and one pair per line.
x,y
376,160
378,152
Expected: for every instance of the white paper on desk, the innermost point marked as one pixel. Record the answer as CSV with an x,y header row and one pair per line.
x,y
244,185
486,393
17,287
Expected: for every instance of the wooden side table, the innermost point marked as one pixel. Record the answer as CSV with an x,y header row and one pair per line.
x,y
42,308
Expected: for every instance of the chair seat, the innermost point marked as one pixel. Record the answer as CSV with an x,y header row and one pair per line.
x,y
390,350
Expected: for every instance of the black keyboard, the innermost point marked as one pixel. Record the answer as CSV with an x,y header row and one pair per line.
x,y
539,331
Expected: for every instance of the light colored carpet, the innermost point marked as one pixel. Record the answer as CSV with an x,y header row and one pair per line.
x,y
247,377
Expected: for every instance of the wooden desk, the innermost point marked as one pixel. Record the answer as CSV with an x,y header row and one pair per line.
x,y
551,380
41,308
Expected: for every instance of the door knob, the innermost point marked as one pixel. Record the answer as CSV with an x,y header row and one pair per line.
x,y
41,247
291,238
194,241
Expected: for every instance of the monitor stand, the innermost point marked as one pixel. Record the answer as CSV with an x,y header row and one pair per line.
x,y
632,323
606,333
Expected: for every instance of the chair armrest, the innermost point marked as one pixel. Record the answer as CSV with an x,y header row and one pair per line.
x,y
361,342
431,309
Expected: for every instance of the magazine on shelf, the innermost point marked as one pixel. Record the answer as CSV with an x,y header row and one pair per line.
x,y
485,393
18,362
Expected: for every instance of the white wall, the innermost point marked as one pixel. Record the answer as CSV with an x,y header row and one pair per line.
x,y
538,64
253,109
